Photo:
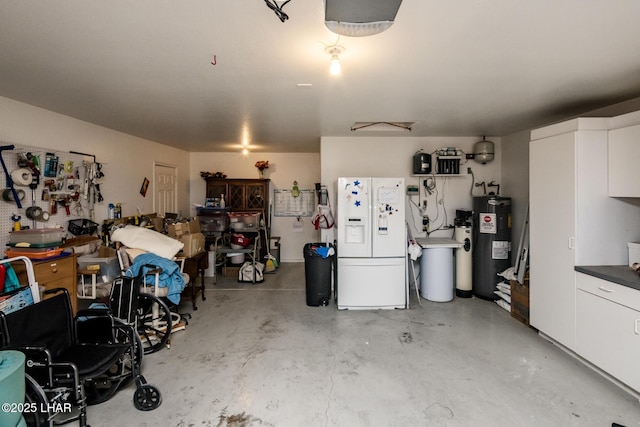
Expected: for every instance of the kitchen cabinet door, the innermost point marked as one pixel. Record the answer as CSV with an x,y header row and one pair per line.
x,y
608,336
216,188
242,195
552,193
623,155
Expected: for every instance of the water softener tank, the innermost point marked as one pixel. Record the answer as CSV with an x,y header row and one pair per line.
x,y
464,280
491,243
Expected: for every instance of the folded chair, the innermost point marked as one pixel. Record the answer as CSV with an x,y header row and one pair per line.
x,y
73,362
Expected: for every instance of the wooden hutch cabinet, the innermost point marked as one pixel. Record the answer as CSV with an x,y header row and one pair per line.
x,y
242,195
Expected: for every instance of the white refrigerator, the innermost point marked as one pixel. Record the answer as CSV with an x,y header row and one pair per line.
x,y
372,244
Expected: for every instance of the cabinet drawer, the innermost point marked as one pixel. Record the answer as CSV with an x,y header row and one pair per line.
x,y
63,283
54,270
623,295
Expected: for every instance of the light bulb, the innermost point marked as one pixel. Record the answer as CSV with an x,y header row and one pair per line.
x,y
245,151
334,68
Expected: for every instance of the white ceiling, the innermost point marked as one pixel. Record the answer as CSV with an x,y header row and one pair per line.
x,y
455,67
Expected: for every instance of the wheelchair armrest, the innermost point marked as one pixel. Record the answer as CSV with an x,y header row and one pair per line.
x,y
35,355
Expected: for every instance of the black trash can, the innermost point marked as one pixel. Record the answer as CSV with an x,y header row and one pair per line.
x,y
317,273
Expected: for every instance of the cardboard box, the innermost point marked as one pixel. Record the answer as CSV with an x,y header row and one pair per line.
x,y
520,300
193,244
193,226
231,272
180,229
158,224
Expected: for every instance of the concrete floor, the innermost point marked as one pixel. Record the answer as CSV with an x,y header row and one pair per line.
x,y
257,355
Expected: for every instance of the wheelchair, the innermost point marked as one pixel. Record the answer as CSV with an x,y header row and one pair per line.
x,y
156,317
148,314
74,362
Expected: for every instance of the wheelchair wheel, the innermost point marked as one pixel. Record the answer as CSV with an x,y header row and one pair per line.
x,y
154,322
35,398
147,398
103,387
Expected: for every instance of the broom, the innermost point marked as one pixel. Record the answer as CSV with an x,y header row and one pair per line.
x,y
271,264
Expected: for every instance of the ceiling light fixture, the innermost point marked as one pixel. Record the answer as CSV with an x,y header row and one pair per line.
x,y
360,18
334,51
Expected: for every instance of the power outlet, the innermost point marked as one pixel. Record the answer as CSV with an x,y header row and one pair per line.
x,y
469,171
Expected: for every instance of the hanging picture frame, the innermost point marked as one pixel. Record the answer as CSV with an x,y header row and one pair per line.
x,y
144,187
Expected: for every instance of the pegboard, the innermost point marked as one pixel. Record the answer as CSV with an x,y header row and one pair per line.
x,y
68,176
284,204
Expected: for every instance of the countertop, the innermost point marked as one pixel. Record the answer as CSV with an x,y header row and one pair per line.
x,y
438,242
620,274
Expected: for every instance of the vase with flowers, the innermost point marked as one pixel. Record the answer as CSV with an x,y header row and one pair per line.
x,y
262,165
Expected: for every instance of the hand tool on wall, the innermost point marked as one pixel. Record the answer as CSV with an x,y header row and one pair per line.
x,y
98,193
16,222
66,202
53,204
9,182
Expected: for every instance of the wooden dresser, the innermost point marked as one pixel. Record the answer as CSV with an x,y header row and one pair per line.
x,y
243,195
54,273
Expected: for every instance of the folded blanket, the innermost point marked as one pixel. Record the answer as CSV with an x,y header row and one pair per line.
x,y
148,240
170,277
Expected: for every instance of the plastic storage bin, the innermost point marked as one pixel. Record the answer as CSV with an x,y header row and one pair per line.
x,y
105,259
317,273
39,236
31,253
213,223
213,219
244,221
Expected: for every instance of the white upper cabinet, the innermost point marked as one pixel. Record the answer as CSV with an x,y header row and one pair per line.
x,y
623,154
624,165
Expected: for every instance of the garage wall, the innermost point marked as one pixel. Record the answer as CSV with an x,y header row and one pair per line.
x,y
127,159
284,168
392,157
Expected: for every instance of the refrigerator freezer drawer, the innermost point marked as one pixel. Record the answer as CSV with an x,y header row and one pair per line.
x,y
371,283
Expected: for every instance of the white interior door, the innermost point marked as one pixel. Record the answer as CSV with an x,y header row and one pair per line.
x,y
165,189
